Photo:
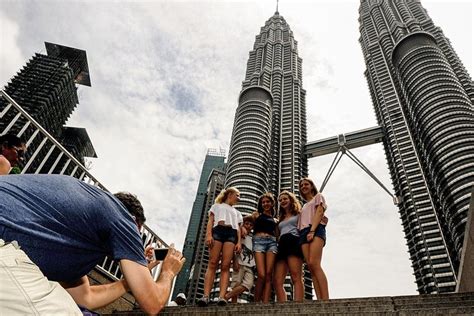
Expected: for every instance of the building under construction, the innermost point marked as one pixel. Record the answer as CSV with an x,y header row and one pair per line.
x,y
46,88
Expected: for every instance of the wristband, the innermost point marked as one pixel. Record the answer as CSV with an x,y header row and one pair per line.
x,y
312,231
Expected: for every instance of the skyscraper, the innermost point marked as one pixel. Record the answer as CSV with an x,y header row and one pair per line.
x,y
269,130
195,285
423,98
214,160
46,88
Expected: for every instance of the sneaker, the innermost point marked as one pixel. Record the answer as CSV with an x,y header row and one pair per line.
x,y
203,301
221,301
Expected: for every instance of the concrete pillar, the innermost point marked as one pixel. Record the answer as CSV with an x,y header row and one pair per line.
x,y
466,268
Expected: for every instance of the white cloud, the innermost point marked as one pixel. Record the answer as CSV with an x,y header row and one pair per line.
x,y
165,80
11,58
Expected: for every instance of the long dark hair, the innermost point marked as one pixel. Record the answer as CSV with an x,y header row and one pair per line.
x,y
269,196
295,205
314,190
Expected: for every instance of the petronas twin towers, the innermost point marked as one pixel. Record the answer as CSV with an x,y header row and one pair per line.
x,y
269,134
423,98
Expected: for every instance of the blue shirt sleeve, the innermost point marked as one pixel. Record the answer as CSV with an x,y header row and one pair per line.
x,y
125,241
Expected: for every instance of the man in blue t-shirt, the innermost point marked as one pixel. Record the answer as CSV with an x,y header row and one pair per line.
x,y
66,227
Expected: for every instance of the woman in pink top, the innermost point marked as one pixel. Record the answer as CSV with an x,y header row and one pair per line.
x,y
312,228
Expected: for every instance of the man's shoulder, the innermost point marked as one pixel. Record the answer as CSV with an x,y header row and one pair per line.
x,y
4,165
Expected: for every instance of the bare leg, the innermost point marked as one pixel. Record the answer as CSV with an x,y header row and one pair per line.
x,y
317,272
260,263
214,256
269,263
281,270
295,266
306,255
236,291
227,254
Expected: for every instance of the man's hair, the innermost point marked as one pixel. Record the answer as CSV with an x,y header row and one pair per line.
x,y
133,205
10,140
249,218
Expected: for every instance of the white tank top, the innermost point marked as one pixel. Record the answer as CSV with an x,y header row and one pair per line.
x,y
228,214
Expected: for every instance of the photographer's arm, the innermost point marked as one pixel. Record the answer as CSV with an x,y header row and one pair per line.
x,y
95,296
152,296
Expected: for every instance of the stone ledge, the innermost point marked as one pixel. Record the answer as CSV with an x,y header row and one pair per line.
x,y
436,304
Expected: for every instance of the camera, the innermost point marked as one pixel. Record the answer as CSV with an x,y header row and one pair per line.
x,y
160,253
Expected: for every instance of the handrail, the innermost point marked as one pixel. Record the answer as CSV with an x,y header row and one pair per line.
x,y
51,138
109,267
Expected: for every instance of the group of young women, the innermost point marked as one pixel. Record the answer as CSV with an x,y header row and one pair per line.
x,y
280,244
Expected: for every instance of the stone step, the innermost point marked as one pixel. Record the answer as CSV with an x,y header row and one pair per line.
x,y
436,304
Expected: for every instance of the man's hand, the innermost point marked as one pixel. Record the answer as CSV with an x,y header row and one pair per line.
x,y
150,258
173,262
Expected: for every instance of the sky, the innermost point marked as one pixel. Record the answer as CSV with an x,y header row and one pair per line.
x,y
165,80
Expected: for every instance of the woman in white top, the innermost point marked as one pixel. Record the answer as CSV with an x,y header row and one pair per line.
x,y
312,228
222,238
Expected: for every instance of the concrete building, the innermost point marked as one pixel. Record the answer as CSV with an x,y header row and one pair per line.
x,y
46,88
214,161
195,285
423,98
269,132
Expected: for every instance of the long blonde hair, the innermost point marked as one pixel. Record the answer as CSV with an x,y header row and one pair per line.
x,y
222,197
295,205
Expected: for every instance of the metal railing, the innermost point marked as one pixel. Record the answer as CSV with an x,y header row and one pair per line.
x,y
47,156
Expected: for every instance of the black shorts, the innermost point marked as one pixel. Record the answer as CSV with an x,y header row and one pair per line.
x,y
288,245
320,232
224,234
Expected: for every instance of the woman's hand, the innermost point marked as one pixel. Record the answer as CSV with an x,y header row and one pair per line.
x,y
310,236
210,241
238,247
324,220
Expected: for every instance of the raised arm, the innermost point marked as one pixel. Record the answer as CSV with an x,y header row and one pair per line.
x,y
152,296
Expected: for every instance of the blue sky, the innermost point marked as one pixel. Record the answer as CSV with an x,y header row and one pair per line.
x,y
165,80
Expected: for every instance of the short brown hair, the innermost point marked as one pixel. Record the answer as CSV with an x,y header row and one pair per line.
x,y
133,205
249,218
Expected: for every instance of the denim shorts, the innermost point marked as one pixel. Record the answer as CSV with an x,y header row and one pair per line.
x,y
265,244
320,232
288,245
224,234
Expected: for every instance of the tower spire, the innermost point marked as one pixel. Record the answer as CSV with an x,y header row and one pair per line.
x,y
277,8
